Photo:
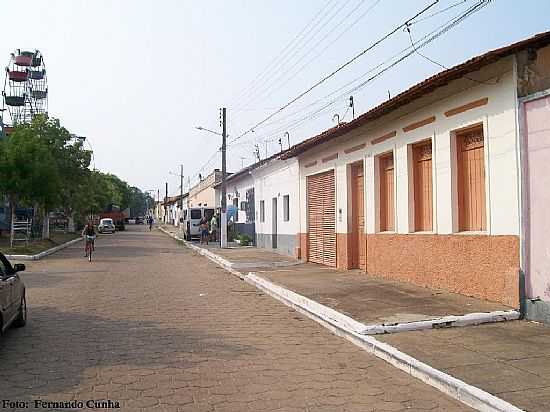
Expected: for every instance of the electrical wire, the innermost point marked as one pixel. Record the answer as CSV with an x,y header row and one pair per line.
x,y
334,72
281,53
276,84
315,28
411,50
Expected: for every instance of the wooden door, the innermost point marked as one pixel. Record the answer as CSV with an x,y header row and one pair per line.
x,y
471,180
358,241
387,212
321,214
423,194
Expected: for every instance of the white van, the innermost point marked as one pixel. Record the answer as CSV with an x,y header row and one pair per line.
x,y
192,218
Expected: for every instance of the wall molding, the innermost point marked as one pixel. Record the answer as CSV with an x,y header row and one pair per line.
x,y
466,107
419,124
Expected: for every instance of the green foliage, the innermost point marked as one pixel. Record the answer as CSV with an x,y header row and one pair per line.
x,y
244,239
41,163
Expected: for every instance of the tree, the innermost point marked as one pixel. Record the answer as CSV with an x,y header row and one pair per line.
x,y
28,171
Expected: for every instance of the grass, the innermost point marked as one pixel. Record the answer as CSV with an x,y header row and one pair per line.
x,y
35,246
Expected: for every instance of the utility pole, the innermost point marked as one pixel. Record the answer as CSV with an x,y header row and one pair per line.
x,y
181,193
288,138
223,223
165,205
158,205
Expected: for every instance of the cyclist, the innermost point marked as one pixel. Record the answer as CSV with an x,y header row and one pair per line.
x,y
89,234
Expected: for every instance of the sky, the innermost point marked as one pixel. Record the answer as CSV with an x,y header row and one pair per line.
x,y
136,77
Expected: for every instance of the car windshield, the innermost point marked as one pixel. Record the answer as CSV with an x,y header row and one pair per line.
x,y
107,221
196,214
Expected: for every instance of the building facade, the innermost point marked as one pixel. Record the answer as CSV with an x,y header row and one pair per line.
x,y
277,205
427,187
203,193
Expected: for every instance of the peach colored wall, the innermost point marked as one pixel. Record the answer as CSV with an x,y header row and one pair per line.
x,y
301,253
485,267
343,258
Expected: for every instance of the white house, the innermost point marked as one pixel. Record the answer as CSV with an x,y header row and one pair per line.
x,y
276,184
428,187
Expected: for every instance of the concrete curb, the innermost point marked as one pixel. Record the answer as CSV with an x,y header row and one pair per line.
x,y
350,329
45,253
469,319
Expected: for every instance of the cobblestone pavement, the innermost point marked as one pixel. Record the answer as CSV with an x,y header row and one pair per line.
x,y
155,327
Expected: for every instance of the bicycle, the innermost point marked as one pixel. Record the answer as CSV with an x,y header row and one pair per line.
x,y
89,247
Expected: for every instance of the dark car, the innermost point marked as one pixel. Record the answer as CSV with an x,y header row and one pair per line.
x,y
13,306
139,220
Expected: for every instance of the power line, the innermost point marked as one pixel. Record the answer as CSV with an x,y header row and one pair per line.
x,y
427,39
274,63
334,72
276,84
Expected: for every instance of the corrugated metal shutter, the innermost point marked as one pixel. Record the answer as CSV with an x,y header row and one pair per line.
x,y
321,215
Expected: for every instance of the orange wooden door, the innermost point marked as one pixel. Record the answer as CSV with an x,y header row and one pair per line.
x,y
358,243
386,193
471,180
423,195
321,213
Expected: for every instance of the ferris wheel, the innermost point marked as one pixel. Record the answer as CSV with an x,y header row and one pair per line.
x,y
25,88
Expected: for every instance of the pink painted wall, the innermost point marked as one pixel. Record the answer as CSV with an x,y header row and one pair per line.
x,y
537,122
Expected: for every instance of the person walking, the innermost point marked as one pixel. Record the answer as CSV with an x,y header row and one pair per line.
x,y
203,225
214,228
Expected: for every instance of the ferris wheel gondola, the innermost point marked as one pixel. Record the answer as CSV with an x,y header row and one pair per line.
x,y
25,93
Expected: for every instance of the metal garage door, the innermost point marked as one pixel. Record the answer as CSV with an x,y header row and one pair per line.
x,y
321,217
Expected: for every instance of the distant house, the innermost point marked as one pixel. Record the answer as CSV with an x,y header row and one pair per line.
x,y
203,193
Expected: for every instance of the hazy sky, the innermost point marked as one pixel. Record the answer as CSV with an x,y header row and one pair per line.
x,y
137,76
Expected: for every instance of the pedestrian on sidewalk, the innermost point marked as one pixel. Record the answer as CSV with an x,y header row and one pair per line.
x,y
214,228
203,225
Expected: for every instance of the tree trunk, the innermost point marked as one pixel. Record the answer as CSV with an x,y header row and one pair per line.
x,y
13,205
46,225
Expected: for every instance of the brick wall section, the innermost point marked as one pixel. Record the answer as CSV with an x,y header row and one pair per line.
x,y
343,258
301,252
485,267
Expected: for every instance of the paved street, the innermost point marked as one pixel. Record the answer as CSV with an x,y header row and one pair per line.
x,y
150,324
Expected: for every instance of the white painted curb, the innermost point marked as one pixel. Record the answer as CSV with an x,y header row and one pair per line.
x,y
45,253
469,319
350,329
465,393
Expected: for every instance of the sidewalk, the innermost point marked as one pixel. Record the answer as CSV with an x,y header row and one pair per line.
x,y
509,360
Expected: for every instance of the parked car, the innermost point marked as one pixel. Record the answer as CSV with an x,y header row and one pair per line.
x,y
106,225
139,220
192,218
13,305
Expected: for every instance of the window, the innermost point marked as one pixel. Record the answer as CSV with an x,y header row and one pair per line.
x,y
286,208
243,206
470,168
422,186
385,163
262,211
196,214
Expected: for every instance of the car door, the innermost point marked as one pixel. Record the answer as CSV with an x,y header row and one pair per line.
x,y
6,290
